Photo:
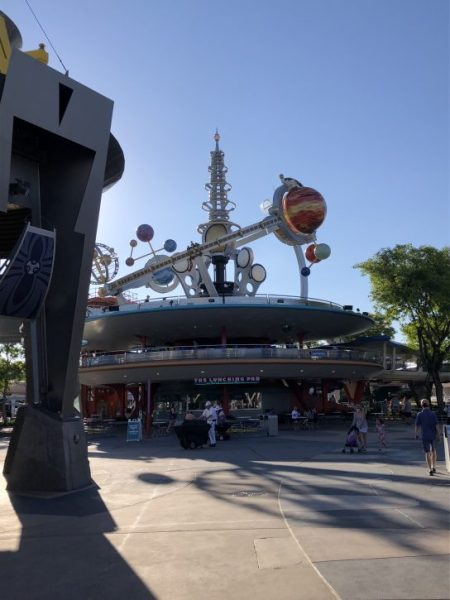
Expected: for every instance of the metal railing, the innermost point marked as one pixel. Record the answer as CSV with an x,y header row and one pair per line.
x,y
232,352
258,299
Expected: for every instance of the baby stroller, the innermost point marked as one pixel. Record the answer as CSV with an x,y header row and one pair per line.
x,y
351,441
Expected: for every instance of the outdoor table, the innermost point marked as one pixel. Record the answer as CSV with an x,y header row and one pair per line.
x,y
300,421
160,427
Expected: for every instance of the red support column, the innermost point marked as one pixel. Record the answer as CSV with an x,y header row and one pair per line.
x,y
326,385
148,408
223,336
84,396
302,395
354,390
124,404
225,403
359,392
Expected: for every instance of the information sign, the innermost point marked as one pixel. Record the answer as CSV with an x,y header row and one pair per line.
x,y
134,430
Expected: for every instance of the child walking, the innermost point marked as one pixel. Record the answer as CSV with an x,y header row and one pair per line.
x,y
379,424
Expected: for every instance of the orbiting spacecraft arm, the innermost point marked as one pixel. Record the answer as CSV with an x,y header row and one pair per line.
x,y
180,260
294,217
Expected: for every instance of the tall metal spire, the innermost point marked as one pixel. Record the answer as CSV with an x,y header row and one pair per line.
x,y
218,204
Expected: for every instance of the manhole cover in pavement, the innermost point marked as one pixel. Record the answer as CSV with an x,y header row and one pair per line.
x,y
247,493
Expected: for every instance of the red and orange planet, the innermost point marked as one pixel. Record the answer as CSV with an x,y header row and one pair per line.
x,y
304,209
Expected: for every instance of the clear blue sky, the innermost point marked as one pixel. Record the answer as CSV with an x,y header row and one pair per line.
x,y
349,96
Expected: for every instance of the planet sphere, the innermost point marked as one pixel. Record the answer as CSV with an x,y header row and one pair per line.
x,y
163,277
145,233
170,245
303,209
322,251
310,254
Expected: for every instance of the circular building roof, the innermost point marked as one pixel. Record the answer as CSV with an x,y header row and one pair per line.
x,y
204,321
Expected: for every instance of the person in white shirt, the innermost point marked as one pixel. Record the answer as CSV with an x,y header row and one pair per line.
x,y
210,416
220,415
295,416
360,421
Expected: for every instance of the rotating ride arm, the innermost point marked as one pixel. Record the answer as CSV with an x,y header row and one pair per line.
x,y
240,237
294,217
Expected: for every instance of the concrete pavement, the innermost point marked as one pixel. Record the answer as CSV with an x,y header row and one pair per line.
x,y
287,517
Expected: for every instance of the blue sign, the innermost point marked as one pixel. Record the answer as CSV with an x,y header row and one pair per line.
x,y
25,282
134,430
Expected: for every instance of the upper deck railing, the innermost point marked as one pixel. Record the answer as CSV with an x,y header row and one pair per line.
x,y
259,299
232,352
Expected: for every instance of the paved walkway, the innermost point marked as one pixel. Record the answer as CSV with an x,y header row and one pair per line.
x,y
287,517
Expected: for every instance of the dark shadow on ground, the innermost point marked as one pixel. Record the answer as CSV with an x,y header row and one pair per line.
x,y
258,467
64,554
262,472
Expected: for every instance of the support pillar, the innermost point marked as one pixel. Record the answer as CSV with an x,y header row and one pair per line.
x,y
225,402
355,390
55,135
30,467
148,409
223,336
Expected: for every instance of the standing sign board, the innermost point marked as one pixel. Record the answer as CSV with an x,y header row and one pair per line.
x,y
134,430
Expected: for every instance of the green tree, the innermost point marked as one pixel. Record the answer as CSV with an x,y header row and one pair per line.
x,y
382,326
412,286
12,367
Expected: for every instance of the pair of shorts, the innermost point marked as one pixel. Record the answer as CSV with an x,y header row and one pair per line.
x,y
428,445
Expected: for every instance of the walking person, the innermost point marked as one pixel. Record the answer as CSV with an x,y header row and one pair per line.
x,y
406,412
427,422
379,424
172,418
295,417
309,419
447,411
360,421
210,416
220,415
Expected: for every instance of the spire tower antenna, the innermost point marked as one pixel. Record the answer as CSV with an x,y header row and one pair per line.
x,y
218,205
217,139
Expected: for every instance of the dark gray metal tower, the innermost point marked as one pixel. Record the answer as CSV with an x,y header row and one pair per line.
x,y
56,157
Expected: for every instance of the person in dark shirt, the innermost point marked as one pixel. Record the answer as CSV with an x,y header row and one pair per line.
x,y
172,417
427,422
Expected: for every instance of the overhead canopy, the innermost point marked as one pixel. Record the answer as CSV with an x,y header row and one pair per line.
x,y
378,342
248,323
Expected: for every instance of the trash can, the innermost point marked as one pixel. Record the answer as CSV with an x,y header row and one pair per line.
x,y
272,425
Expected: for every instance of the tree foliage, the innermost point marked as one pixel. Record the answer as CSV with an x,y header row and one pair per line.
x,y
412,286
12,366
382,326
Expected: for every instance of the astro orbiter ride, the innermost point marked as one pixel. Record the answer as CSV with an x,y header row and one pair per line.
x,y
294,215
